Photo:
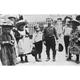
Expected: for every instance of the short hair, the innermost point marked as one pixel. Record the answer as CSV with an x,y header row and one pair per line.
x,y
49,19
59,18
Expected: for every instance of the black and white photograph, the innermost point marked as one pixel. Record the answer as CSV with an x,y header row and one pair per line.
x,y
39,40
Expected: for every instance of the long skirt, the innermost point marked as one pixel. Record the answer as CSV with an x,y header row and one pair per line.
x,y
8,55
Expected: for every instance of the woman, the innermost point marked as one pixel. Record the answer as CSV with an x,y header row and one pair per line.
x,y
75,40
8,54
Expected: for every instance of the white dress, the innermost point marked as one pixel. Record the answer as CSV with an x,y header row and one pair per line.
x,y
37,36
24,44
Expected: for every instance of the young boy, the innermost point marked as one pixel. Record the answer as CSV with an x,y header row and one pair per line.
x,y
37,41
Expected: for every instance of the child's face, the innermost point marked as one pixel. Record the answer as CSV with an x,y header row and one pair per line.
x,y
22,28
59,21
37,29
67,21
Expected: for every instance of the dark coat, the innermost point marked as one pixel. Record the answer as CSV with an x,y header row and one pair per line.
x,y
8,55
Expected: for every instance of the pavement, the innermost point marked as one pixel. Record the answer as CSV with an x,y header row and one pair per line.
x,y
60,58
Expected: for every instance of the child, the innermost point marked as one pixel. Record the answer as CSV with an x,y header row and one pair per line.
x,y
37,41
24,43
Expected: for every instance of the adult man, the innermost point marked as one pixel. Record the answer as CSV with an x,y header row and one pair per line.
x,y
49,35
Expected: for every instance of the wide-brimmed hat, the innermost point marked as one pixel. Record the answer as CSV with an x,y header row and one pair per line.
x,y
6,23
20,23
7,26
67,17
78,17
11,17
74,23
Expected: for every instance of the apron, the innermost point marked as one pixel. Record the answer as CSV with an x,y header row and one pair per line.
x,y
24,44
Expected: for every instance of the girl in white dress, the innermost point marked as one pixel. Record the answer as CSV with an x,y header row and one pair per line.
x,y
24,44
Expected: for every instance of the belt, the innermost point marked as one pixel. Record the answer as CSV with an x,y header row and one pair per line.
x,y
49,36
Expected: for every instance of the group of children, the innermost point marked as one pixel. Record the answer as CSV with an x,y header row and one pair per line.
x,y
25,44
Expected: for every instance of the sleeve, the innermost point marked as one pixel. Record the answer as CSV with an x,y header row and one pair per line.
x,y
64,30
44,33
33,38
11,35
55,33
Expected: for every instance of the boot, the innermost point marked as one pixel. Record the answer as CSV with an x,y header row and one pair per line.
x,y
48,58
21,59
77,59
53,59
36,59
26,60
69,57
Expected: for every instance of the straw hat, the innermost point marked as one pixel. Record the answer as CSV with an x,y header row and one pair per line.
x,y
20,23
6,23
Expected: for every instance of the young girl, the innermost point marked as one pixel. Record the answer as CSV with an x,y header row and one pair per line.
x,y
24,43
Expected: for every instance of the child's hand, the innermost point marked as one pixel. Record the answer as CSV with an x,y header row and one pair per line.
x,y
79,39
44,43
33,45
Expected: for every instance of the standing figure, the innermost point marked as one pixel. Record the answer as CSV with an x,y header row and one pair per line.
x,y
59,27
74,47
67,31
24,44
8,54
13,32
49,36
37,41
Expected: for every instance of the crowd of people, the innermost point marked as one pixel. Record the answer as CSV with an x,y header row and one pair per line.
x,y
17,42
